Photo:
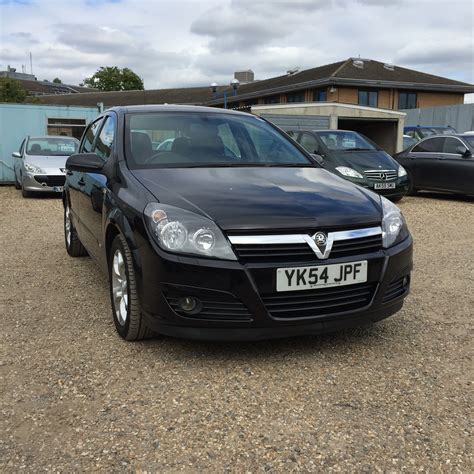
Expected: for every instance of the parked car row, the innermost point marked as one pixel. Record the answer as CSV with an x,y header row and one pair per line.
x,y
233,230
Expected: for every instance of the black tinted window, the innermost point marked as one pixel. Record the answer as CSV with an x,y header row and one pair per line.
x,y
432,145
450,145
103,144
369,98
88,140
407,100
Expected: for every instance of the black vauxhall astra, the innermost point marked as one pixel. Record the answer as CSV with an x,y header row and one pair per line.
x,y
231,231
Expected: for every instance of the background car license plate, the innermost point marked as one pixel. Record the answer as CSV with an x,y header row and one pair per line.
x,y
384,186
58,189
305,278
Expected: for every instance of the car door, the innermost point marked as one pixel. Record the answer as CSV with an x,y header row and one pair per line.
x,y
76,185
456,172
423,162
95,186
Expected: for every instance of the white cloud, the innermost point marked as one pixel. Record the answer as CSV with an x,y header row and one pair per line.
x,y
192,42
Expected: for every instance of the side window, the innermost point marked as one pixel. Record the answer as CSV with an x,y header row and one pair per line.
x,y
432,145
450,145
104,143
89,136
309,143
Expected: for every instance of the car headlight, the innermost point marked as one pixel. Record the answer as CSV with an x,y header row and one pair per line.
x,y
401,171
32,168
349,172
180,231
394,228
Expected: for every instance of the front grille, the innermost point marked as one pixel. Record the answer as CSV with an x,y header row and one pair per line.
x,y
381,175
51,180
395,289
215,305
321,302
302,253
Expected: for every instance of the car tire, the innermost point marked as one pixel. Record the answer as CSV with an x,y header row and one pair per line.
x,y
397,199
74,246
17,184
412,191
26,194
126,310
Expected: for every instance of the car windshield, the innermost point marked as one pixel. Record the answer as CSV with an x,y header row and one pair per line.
x,y
206,140
345,141
52,146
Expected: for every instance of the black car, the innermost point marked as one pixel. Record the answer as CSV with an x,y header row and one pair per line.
x,y
440,163
356,158
234,233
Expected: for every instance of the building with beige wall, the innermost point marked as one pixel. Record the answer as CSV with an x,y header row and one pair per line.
x,y
356,81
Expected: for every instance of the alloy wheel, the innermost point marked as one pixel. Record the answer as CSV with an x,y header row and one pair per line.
x,y
120,287
67,225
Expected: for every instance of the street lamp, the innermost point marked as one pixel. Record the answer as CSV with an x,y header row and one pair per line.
x,y
234,83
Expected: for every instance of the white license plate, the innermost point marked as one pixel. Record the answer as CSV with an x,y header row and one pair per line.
x,y
322,276
58,189
384,186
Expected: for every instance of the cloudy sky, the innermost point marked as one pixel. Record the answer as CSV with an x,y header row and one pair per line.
x,y
186,43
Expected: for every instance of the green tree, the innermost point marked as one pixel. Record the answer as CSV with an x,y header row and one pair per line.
x,y
11,90
56,80
114,79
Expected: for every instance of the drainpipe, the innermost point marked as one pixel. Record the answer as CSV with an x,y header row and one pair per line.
x,y
100,106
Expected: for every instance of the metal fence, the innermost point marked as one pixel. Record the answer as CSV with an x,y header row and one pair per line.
x,y
461,117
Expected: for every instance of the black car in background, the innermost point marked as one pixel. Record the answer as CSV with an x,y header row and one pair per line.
x,y
234,233
356,158
440,163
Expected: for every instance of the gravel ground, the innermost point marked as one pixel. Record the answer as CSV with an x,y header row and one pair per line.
x,y
392,397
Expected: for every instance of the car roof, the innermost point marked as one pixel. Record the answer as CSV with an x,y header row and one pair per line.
x,y
411,127
174,108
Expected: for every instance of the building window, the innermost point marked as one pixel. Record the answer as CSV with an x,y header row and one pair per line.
x,y
295,97
273,99
320,95
369,98
407,100
66,127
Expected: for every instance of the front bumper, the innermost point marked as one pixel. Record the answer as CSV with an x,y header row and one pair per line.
x,y
400,189
49,183
238,295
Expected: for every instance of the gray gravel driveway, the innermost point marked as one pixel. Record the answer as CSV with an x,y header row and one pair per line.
x,y
396,396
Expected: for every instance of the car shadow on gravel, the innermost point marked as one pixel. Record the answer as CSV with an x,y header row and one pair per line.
x,y
445,196
339,342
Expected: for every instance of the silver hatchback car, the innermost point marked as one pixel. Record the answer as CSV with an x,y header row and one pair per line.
x,y
40,163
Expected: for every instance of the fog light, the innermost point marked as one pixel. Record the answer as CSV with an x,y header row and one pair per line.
x,y
190,305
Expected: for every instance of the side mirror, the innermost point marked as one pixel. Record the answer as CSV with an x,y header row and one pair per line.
x,y
16,154
85,163
463,151
318,158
